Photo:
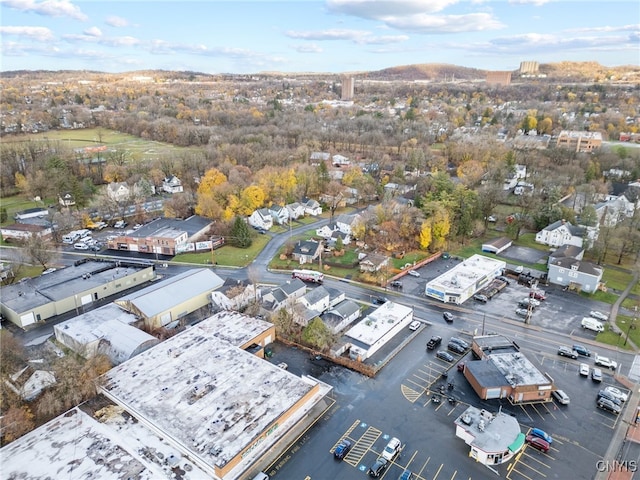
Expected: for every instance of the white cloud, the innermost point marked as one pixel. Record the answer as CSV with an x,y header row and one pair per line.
x,y
606,29
41,34
428,24
115,21
124,41
377,9
357,36
49,8
308,48
93,32
537,3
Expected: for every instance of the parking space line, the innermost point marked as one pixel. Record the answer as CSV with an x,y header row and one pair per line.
x,y
519,473
549,411
438,471
345,435
525,412
537,459
362,446
421,385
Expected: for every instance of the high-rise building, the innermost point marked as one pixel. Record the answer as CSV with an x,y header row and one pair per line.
x,y
347,88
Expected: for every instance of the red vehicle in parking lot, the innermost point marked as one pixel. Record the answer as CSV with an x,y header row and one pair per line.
x,y
538,443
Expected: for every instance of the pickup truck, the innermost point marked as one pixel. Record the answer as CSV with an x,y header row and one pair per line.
x,y
434,342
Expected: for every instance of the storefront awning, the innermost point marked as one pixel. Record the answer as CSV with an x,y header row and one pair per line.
x,y
517,443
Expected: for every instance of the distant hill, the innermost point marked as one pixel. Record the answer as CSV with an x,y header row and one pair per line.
x,y
426,71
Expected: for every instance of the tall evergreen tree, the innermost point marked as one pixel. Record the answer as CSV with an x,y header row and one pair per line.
x,y
240,235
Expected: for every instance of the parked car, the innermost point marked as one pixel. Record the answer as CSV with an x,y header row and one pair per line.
x,y
504,279
596,375
537,432
478,297
342,449
406,475
522,312
80,246
396,284
525,302
444,355
415,325
460,342
567,352
434,342
378,468
582,350
283,365
599,315
519,269
605,362
561,397
455,347
609,406
448,317
537,443
120,224
538,295
392,449
608,396
616,392
414,273
584,370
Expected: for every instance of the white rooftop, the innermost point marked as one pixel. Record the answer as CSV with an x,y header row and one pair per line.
x,y
234,327
463,276
75,445
518,369
210,397
379,322
489,432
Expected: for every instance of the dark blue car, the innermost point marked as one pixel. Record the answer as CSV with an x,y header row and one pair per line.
x,y
342,449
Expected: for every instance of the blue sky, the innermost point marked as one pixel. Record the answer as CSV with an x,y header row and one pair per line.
x,y
313,36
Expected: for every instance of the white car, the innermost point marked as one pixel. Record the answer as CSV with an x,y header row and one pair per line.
x,y
414,325
584,370
598,315
617,393
605,362
561,397
392,449
413,273
519,269
81,246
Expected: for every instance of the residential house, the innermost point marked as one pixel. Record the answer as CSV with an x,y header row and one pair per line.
x,y
312,207
172,184
284,295
118,191
280,214
24,231
341,316
317,157
261,218
326,231
316,299
234,295
306,251
346,238
346,223
28,383
616,209
66,199
296,210
373,262
561,233
566,251
340,160
575,273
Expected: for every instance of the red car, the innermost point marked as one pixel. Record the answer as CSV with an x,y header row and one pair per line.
x,y
538,295
538,443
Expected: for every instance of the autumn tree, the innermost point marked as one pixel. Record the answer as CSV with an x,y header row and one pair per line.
x,y
425,235
39,250
15,422
210,203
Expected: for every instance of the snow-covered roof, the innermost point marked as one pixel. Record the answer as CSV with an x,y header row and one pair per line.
x,y
164,295
210,397
75,445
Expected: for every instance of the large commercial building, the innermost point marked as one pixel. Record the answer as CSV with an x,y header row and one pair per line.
x,y
34,300
578,141
465,279
347,88
498,78
504,372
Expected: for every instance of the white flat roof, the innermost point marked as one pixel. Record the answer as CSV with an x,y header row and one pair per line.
x,y
210,397
378,323
75,445
464,275
234,327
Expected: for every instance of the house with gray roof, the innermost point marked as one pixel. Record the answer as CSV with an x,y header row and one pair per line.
x,y
316,299
306,251
341,315
561,233
280,214
284,294
261,218
566,251
574,273
373,262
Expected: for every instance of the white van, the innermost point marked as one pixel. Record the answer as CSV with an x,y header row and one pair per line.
x,y
71,237
592,324
81,246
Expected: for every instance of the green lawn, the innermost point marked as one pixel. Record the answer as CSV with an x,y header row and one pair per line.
x,y
17,203
226,256
616,279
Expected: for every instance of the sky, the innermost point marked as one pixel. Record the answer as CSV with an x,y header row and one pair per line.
x,y
328,36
